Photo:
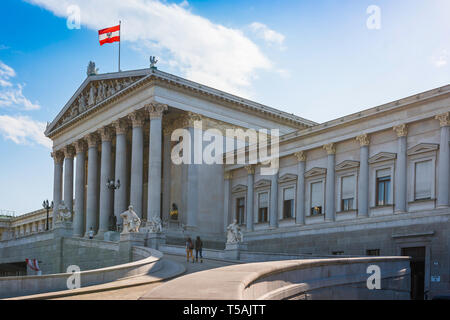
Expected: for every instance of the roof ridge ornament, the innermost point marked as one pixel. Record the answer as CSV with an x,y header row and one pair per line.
x,y
153,61
91,70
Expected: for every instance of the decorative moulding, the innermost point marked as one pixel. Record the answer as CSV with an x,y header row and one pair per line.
x,y
262,183
422,148
382,156
347,164
315,172
287,178
239,188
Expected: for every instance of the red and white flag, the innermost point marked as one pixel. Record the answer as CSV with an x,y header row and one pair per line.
x,y
109,35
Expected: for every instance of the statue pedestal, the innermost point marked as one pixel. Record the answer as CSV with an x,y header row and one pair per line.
x,y
155,239
126,243
63,229
233,250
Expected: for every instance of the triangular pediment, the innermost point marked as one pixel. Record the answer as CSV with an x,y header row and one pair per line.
x,y
262,183
422,147
95,90
382,156
239,188
315,172
287,178
347,164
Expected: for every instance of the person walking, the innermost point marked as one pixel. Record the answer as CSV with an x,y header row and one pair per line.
x,y
198,249
189,248
91,233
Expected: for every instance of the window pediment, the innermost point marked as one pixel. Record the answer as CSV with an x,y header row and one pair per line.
x,y
382,156
239,188
347,164
422,148
287,178
262,183
315,172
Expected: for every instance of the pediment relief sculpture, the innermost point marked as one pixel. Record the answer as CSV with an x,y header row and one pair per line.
x,y
94,93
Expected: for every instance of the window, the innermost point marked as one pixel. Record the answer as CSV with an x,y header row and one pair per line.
x,y
373,252
263,204
423,178
240,210
338,253
347,193
316,198
383,187
288,203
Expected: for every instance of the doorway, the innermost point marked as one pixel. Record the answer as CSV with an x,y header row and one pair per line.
x,y
417,255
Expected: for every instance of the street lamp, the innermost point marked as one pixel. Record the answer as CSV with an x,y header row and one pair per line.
x,y
47,207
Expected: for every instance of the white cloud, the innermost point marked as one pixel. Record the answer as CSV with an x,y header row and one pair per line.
x,y
441,59
268,35
24,130
203,51
11,95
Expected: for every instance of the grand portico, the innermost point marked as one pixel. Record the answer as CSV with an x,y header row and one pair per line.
x,y
118,126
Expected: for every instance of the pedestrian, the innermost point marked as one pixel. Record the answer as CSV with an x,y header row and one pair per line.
x,y
198,249
189,248
91,234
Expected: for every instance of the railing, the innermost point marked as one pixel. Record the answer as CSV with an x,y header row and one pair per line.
x,y
7,213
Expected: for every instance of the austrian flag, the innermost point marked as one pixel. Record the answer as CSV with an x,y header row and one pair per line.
x,y
109,35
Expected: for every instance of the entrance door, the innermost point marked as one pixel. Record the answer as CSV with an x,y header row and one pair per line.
x,y
417,255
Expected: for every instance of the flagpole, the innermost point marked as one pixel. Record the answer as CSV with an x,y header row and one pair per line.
x,y
119,42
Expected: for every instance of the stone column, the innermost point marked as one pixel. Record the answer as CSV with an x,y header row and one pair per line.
x,y
92,188
363,178
120,194
167,167
78,218
401,169
330,213
250,181
273,220
58,158
68,177
155,160
137,162
226,199
444,161
105,176
300,215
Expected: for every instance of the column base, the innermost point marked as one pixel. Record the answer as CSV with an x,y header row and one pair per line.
x,y
63,229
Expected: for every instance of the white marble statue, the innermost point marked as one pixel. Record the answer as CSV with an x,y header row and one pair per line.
x,y
155,224
63,214
131,221
234,233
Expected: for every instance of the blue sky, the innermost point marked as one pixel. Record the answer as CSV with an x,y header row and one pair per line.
x,y
317,59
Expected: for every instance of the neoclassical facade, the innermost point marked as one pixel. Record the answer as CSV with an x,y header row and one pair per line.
x,y
371,183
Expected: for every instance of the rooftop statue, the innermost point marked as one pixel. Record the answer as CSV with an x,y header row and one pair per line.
x,y
91,70
153,61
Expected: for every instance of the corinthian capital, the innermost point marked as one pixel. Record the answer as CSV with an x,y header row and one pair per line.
x,y
330,148
444,119
57,156
137,119
363,139
401,130
156,109
105,133
121,126
250,169
301,156
69,151
228,175
92,140
80,146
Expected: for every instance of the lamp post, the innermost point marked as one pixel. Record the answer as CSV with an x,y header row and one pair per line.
x,y
47,207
